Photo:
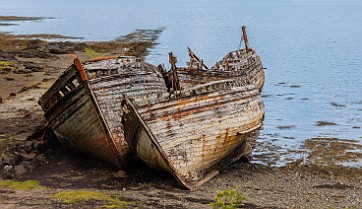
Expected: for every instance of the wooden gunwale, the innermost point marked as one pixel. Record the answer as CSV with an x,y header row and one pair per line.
x,y
58,85
190,98
194,110
119,75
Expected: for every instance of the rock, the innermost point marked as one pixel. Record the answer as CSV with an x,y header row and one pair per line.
x,y
1,100
120,174
25,148
7,160
7,56
7,167
35,44
28,146
32,67
33,53
20,170
29,156
12,94
55,49
9,79
7,172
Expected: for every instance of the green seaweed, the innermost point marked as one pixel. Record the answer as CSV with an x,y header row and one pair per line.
x,y
26,185
91,53
4,65
75,196
6,137
229,199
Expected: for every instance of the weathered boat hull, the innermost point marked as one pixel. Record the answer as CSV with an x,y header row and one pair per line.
x,y
85,113
241,65
196,136
245,61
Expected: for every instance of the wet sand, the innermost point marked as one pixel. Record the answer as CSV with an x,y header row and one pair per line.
x,y
29,67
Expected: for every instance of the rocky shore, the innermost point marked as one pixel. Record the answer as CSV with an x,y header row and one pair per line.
x,y
29,65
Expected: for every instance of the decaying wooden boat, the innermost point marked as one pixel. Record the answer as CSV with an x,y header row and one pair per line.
x,y
196,134
245,62
242,64
83,106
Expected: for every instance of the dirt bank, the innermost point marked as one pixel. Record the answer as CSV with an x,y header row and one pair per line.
x,y
29,66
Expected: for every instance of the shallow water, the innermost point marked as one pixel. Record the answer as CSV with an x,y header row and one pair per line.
x,y
312,50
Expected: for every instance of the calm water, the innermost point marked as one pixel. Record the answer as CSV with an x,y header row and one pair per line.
x,y
312,49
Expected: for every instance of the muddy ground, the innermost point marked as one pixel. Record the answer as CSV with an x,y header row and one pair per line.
x,y
29,65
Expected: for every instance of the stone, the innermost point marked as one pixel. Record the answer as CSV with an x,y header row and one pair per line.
x,y
55,49
20,170
29,156
9,79
7,167
120,174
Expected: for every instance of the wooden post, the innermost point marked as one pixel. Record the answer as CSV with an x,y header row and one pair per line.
x,y
193,55
173,71
79,67
245,37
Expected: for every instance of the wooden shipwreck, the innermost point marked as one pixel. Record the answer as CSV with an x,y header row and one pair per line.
x,y
196,134
191,121
83,107
242,64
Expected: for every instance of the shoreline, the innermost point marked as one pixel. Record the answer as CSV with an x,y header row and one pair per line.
x,y
28,67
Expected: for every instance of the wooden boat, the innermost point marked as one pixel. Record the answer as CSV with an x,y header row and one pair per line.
x,y
83,106
242,64
245,61
198,132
